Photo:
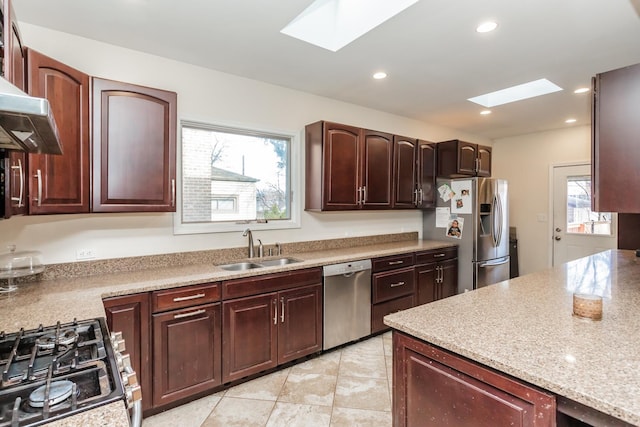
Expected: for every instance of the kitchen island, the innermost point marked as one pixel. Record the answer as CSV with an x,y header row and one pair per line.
x,y
524,328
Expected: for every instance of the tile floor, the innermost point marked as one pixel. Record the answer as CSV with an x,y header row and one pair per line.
x,y
346,387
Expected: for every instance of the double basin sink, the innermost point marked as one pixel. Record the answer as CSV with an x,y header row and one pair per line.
x,y
250,265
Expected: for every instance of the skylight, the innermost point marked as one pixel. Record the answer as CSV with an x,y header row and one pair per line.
x,y
333,24
516,93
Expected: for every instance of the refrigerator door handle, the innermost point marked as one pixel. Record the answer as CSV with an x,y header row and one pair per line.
x,y
500,221
493,263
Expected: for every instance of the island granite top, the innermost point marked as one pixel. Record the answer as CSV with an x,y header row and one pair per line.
x,y
524,327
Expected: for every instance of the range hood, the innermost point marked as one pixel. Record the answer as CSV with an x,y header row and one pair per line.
x,y
26,122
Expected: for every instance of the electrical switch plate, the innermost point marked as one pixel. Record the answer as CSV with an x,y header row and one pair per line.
x,y
542,217
83,254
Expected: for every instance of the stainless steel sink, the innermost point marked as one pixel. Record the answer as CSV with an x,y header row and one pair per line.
x,y
240,266
248,265
278,261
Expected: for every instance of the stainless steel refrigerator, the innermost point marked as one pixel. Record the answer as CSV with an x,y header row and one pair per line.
x,y
474,213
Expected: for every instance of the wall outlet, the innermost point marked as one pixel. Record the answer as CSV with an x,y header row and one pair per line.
x,y
83,254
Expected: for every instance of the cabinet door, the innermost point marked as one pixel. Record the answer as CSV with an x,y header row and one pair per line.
x,y
17,173
484,161
426,174
467,154
250,327
134,148
616,131
341,162
13,63
404,172
427,380
426,279
448,278
300,322
60,183
377,169
186,352
130,315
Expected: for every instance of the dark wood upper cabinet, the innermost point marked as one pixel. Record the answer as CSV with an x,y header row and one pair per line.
x,y
134,148
61,183
426,174
13,60
377,167
615,136
405,192
459,159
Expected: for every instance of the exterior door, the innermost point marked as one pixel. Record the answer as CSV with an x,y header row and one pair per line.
x,y
578,231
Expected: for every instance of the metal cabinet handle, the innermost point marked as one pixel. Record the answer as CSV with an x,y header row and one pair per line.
x,y
173,192
189,297
38,176
395,262
20,198
364,194
415,197
440,255
282,309
421,197
275,311
190,314
394,285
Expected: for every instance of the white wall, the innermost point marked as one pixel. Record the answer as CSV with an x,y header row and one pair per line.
x,y
207,96
525,162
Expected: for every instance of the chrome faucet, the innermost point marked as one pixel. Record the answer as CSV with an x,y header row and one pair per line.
x,y
246,233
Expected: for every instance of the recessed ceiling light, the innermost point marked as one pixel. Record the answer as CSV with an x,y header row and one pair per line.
x,y
333,24
485,112
582,90
380,75
486,27
516,93
569,121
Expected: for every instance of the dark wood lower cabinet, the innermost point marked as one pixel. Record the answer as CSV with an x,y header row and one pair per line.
x,y
129,314
186,352
264,331
250,328
433,387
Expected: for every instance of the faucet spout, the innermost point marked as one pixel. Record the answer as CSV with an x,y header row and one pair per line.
x,y
247,233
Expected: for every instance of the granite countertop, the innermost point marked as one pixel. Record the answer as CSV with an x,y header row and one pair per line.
x,y
524,327
49,301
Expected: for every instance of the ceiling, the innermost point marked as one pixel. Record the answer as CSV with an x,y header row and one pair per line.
x,y
431,52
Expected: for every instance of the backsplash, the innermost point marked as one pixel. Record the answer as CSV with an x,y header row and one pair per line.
x,y
217,256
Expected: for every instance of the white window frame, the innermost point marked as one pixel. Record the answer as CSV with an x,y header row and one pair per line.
x,y
296,167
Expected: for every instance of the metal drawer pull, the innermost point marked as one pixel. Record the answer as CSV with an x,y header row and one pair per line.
x,y
190,297
282,309
395,262
190,314
275,311
438,255
393,285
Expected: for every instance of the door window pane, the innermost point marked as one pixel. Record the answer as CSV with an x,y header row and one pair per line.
x,y
580,218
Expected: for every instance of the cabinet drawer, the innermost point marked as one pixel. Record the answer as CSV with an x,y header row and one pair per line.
x,y
171,299
392,262
436,255
270,283
378,311
393,284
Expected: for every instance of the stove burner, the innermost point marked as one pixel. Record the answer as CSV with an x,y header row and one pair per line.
x,y
59,391
49,341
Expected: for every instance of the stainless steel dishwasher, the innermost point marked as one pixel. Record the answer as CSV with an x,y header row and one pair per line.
x,y
347,302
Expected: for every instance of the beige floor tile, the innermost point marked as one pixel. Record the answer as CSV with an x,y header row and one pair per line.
x,y
326,364
362,363
387,342
362,393
296,415
313,389
370,346
187,415
347,417
264,388
231,412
